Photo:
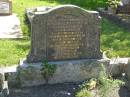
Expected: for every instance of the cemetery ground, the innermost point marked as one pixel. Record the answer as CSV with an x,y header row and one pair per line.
x,y
114,40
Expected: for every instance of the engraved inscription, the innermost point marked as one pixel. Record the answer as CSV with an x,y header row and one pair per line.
x,y
4,7
66,37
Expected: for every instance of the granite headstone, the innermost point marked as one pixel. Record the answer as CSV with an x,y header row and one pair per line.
x,y
65,32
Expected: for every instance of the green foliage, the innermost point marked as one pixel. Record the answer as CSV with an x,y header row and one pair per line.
x,y
114,39
84,93
19,7
89,4
113,3
12,50
86,87
89,84
107,83
47,70
104,85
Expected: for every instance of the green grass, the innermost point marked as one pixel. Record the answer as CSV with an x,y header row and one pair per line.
x,y
12,50
19,7
104,86
114,39
89,4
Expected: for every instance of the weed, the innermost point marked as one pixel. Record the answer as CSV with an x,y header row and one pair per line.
x,y
104,85
47,70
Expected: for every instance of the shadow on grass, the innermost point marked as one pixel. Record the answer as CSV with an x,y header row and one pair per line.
x,y
89,4
115,39
23,45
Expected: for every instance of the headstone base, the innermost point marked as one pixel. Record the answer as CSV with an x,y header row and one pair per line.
x,y
66,71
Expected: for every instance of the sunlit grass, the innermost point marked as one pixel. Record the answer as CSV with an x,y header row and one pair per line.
x,y
20,6
12,50
114,39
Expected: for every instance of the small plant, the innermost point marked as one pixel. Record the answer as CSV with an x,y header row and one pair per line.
x,y
86,87
106,83
84,93
101,87
113,3
47,70
89,84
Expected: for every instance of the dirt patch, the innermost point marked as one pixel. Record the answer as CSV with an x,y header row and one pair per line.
x,y
58,90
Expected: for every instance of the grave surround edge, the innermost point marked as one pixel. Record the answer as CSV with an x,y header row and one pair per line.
x,y
67,71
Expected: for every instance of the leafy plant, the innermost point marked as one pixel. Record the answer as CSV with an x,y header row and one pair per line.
x,y
89,4
47,70
84,93
89,84
113,3
86,87
103,86
106,83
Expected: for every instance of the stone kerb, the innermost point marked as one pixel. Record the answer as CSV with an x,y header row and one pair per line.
x,y
29,74
4,91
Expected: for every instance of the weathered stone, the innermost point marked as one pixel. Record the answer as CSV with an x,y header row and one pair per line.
x,y
128,70
10,27
5,7
118,66
116,18
2,78
125,1
64,33
29,74
66,71
4,91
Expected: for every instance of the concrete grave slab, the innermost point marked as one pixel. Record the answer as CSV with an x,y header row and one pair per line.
x,y
10,27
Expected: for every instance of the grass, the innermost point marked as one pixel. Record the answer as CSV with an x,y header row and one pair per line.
x,y
89,4
19,7
114,39
103,86
12,50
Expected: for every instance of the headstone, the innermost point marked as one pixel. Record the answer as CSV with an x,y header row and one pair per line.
x,y
10,27
125,2
125,8
5,7
65,32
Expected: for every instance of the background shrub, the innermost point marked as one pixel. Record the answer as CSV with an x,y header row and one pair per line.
x,y
89,4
